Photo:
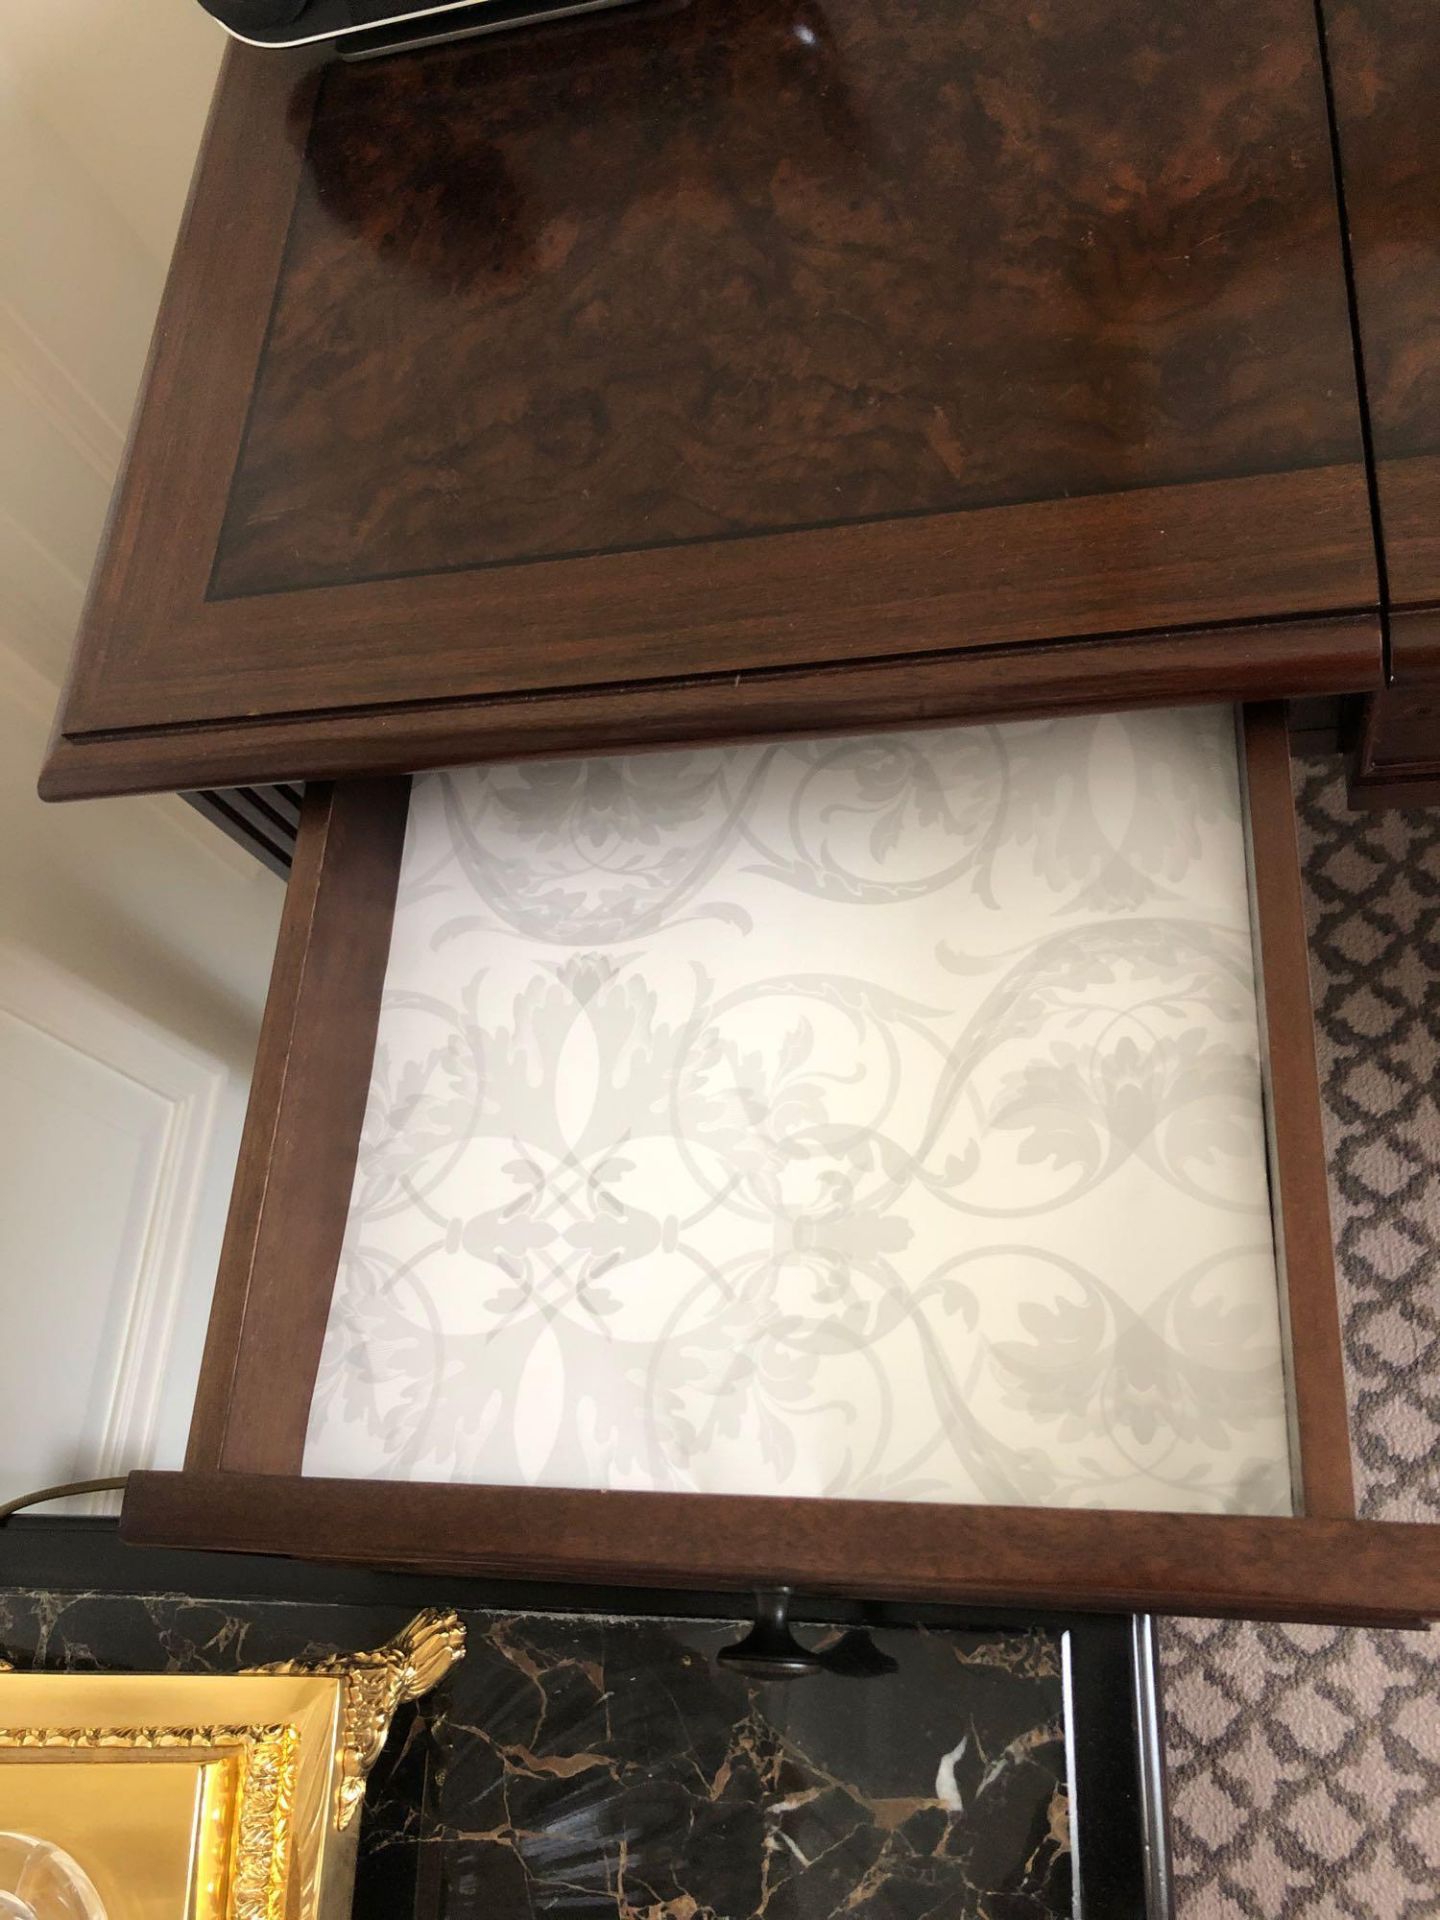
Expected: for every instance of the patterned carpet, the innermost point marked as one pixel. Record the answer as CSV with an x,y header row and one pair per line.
x,y
1305,1762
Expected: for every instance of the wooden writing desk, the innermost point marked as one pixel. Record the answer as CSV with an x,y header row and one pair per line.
x,y
730,368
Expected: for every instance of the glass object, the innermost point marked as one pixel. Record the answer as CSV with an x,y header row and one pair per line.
x,y
39,1881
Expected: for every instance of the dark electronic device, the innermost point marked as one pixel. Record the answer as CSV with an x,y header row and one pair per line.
x,y
361,29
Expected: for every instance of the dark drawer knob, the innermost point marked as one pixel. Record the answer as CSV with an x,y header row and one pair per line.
x,y
770,1650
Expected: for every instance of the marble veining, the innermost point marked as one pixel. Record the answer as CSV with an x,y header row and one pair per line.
x,y
607,1768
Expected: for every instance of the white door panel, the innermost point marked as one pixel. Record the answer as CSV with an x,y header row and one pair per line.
x,y
81,1147
106,1138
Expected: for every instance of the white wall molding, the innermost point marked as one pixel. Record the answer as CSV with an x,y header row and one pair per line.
x,y
26,689
58,396
121,1433
43,594
135,938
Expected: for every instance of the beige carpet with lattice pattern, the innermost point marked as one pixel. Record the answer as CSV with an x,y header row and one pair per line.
x,y
1305,1762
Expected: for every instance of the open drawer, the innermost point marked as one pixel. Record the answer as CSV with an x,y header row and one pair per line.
x,y
889,1165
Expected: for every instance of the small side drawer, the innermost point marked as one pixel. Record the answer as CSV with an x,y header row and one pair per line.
x,y
888,1164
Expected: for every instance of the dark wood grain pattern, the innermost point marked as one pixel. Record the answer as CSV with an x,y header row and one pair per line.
x,y
1105,565
756,267
1310,1309
728,339
1385,76
1397,763
1380,1573
993,683
302,1129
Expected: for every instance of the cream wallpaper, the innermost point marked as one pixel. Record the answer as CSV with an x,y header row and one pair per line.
x,y
877,1117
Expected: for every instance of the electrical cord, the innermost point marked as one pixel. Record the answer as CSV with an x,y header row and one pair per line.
x,y
58,1493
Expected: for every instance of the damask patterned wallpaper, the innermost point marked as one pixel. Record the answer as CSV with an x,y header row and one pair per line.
x,y
878,1116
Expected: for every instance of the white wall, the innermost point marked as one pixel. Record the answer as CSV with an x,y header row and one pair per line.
x,y
102,103
135,940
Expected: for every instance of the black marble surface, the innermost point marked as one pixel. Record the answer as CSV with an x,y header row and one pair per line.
x,y
592,1766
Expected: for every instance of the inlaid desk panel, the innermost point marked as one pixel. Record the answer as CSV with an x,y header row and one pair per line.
x,y
722,369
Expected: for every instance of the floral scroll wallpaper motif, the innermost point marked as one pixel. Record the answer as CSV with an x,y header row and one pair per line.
x,y
877,1117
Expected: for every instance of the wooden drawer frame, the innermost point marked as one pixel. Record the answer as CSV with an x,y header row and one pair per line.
x,y
243,1489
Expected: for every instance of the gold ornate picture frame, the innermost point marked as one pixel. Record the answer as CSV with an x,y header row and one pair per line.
x,y
201,1797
